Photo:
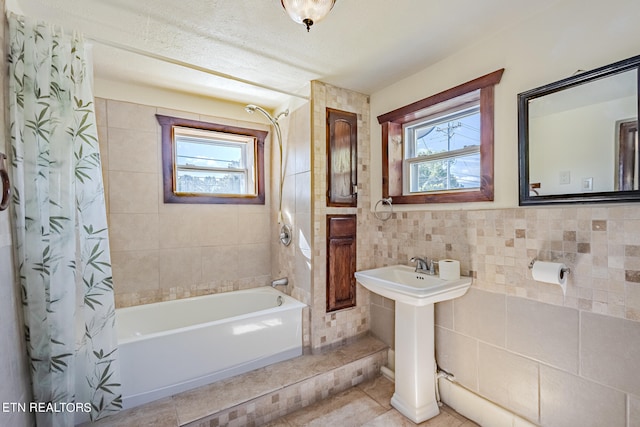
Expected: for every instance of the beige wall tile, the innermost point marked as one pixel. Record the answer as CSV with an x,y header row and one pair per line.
x,y
301,138
383,324
101,111
458,354
254,260
126,115
509,380
544,332
133,150
289,148
133,192
221,263
135,271
178,230
180,267
216,230
302,272
131,232
253,228
482,315
288,198
303,192
444,314
569,401
302,240
610,351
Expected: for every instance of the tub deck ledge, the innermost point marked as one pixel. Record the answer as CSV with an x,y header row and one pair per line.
x,y
264,394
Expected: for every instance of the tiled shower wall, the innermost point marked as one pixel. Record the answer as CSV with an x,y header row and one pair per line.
x,y
294,261
556,360
166,251
14,386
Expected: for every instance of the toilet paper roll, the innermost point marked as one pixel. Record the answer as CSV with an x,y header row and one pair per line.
x,y
550,272
449,269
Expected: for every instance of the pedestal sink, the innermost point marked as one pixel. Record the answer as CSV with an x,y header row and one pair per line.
x,y
415,295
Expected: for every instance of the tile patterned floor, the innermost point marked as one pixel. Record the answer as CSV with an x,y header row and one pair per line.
x,y
364,405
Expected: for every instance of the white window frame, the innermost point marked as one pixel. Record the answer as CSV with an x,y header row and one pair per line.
x,y
410,158
214,138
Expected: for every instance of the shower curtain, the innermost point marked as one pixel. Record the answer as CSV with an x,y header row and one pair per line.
x,y
61,240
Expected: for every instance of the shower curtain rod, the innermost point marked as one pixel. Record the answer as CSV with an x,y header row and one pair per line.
x,y
191,66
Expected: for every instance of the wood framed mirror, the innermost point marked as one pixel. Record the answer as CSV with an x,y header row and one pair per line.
x,y
578,138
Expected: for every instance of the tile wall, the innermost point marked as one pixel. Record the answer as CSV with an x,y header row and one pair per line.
x,y
294,261
521,343
14,386
337,327
166,251
554,365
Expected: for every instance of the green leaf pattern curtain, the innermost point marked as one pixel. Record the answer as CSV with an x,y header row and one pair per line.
x,y
62,246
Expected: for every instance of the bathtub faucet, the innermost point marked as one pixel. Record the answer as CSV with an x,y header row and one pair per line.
x,y
280,282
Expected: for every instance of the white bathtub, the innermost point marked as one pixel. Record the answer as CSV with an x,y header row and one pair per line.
x,y
169,347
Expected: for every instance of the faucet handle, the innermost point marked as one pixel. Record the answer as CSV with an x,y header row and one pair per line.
x,y
432,267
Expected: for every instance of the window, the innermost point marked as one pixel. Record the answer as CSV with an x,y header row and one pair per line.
x,y
443,153
440,149
211,163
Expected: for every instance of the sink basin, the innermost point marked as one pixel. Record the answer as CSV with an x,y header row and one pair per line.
x,y
401,283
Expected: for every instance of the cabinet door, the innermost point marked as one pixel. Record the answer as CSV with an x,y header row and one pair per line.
x,y
342,158
341,261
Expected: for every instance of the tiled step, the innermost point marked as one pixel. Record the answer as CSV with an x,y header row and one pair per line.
x,y
268,393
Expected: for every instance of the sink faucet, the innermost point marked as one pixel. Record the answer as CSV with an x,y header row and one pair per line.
x,y
421,264
424,265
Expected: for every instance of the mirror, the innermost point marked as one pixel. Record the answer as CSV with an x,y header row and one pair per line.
x,y
578,138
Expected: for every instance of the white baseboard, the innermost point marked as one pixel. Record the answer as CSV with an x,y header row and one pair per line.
x,y
476,408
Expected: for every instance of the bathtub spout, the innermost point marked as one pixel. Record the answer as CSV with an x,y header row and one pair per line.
x,y
280,282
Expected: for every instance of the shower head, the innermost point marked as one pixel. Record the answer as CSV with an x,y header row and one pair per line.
x,y
251,108
284,113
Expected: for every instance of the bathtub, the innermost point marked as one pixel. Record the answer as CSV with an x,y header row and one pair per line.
x,y
170,347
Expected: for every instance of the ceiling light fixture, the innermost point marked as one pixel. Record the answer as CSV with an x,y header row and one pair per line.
x,y
307,12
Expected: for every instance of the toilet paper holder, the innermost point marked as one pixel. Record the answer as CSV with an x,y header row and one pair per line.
x,y
565,270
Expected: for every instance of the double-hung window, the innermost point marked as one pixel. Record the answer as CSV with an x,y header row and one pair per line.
x,y
440,149
442,152
211,163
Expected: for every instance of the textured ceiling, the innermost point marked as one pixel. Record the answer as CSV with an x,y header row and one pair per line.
x,y
362,45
